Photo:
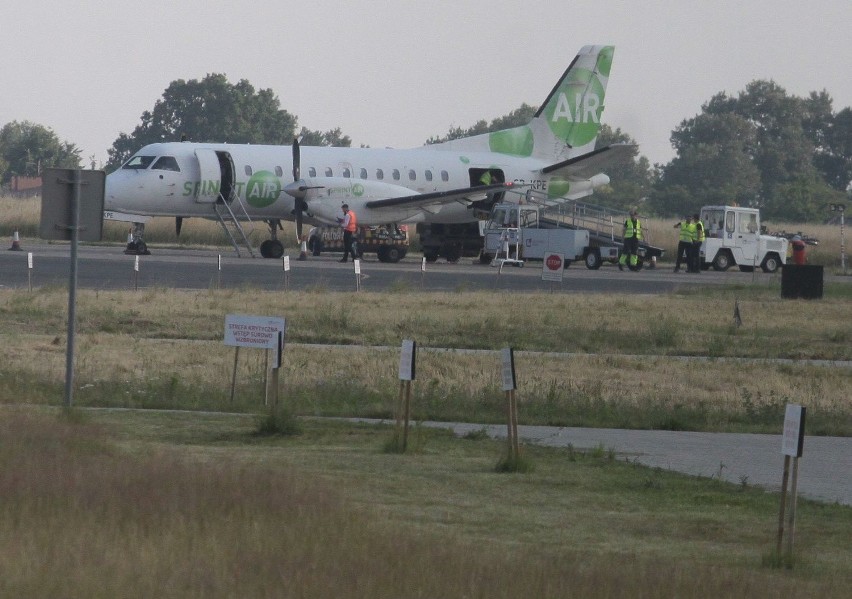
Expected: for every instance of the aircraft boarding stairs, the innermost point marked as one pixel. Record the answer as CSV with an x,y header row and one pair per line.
x,y
229,217
605,225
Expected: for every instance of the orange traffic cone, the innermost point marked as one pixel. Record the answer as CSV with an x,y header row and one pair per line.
x,y
303,251
16,243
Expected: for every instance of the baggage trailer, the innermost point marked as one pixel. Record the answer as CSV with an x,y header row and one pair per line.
x,y
577,230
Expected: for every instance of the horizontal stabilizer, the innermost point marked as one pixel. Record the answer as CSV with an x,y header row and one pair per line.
x,y
592,163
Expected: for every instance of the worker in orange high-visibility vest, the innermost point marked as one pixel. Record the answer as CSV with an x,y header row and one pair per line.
x,y
349,222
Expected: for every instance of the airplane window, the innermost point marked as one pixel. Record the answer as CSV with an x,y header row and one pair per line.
x,y
139,162
445,176
328,172
380,174
363,173
279,172
396,174
347,173
412,175
428,175
166,163
312,172
248,171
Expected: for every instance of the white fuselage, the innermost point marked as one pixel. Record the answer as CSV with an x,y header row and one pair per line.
x,y
187,187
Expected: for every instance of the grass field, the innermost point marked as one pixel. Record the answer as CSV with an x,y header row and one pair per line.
x,y
197,505
162,349
188,500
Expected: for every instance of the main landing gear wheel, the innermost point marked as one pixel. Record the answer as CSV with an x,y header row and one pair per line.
x,y
271,248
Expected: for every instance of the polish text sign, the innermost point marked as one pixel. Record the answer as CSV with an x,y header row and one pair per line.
x,y
253,331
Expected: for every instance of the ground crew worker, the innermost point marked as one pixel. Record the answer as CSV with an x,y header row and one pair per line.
x,y
349,222
684,244
695,265
632,235
798,245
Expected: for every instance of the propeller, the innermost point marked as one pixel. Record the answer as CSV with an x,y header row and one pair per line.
x,y
178,225
298,190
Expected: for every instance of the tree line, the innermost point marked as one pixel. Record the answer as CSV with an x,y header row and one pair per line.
x,y
788,155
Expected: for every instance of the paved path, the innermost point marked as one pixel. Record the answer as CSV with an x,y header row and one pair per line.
x,y
825,469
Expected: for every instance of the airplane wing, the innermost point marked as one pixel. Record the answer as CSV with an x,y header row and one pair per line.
x,y
587,165
467,194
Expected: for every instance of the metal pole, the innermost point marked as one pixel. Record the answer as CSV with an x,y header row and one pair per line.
x,y
72,289
842,243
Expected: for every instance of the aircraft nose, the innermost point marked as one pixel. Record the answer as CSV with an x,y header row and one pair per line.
x,y
117,190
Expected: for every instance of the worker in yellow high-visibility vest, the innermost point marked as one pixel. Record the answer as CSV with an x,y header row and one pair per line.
x,y
695,264
632,235
684,244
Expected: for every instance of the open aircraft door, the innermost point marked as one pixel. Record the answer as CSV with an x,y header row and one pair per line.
x,y
210,173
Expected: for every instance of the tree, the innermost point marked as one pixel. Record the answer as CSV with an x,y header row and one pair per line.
x,y
27,148
833,156
760,148
714,165
209,110
332,137
630,176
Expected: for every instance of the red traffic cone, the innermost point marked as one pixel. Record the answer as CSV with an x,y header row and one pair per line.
x,y
16,243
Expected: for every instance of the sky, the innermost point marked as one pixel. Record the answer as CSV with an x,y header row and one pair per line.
x,y
393,74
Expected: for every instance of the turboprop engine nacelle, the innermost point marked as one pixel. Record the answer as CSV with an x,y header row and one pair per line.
x,y
326,195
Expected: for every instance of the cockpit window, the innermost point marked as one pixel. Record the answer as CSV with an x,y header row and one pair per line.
x,y
139,163
166,163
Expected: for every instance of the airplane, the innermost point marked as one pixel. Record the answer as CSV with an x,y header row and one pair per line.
x,y
438,185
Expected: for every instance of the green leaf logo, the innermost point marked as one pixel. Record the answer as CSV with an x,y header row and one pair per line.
x,y
515,142
574,111
263,189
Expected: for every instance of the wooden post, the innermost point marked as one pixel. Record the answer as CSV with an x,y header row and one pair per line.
x,y
266,377
398,411
407,369
234,376
407,415
792,443
512,425
784,479
517,446
791,521
275,387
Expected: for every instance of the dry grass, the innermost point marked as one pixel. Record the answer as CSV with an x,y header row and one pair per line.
x,y
163,349
190,506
